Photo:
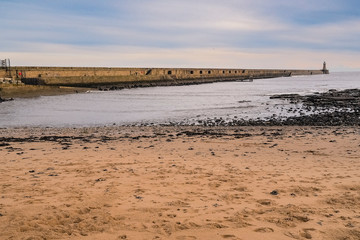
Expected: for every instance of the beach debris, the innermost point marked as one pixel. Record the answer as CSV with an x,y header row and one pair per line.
x,y
274,193
138,197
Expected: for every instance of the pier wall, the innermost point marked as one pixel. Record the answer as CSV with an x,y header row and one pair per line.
x,y
91,77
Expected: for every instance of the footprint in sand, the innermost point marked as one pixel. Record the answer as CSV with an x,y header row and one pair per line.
x,y
264,230
228,236
186,238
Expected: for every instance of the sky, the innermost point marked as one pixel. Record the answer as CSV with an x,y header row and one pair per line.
x,y
276,34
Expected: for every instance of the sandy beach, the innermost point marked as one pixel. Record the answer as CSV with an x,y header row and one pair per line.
x,y
180,183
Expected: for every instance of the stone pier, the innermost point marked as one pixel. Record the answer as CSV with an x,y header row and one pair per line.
x,y
127,77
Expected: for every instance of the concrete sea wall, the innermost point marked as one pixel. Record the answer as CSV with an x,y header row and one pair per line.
x,y
100,76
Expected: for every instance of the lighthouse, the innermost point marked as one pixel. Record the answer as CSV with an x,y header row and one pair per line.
x,y
324,69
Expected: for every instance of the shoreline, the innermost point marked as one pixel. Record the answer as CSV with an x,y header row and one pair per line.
x,y
180,182
331,108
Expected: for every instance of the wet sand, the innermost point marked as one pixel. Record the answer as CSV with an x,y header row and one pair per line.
x,y
180,183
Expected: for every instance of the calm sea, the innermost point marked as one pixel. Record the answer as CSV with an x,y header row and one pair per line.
x,y
161,105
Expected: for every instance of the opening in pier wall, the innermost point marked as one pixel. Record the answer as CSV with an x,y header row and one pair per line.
x,y
148,72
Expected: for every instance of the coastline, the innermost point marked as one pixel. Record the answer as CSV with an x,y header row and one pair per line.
x,y
180,182
296,178
37,81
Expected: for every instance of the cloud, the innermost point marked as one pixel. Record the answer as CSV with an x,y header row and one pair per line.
x,y
179,33
340,36
127,56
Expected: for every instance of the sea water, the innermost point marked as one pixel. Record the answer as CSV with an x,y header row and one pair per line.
x,y
162,105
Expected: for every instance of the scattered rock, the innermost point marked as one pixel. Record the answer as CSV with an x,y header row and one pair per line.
x,y
5,99
332,108
100,180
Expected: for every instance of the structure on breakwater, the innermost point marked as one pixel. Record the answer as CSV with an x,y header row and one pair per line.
x,y
132,77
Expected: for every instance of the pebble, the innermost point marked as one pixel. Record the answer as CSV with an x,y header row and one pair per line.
x,y
274,192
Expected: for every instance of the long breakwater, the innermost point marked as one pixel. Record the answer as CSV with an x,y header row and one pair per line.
x,y
127,77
